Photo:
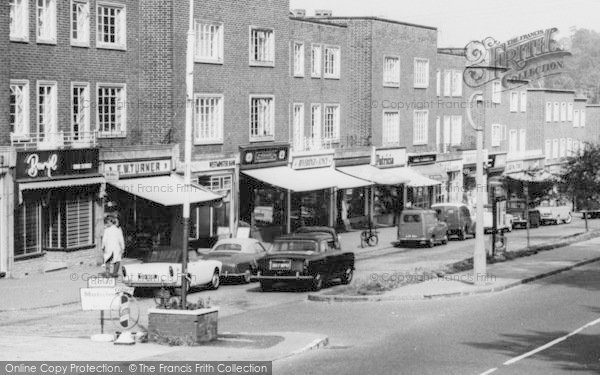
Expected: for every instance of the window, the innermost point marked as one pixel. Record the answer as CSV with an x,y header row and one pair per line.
x,y
582,118
563,111
457,83
447,130
47,109
262,47
112,26
80,23
315,60
438,82
563,147
456,130
555,150
497,92
497,135
80,111
421,121
523,101
209,42
556,112
332,62
19,108
569,147
112,111
46,21
391,128
298,126
70,223
447,82
548,149
438,133
28,229
208,119
331,126
512,141
262,118
576,118
315,121
514,101
298,59
391,71
522,140
19,20
570,112
548,112
576,146
421,73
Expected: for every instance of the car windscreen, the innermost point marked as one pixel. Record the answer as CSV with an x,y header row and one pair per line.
x,y
163,256
412,218
227,247
302,246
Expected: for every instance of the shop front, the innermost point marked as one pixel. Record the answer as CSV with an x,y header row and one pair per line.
x,y
452,187
57,209
469,191
496,165
425,195
6,209
352,205
147,197
528,180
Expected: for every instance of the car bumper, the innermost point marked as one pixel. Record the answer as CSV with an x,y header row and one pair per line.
x,y
417,240
297,276
227,274
152,285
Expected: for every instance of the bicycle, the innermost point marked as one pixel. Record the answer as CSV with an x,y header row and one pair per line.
x,y
369,236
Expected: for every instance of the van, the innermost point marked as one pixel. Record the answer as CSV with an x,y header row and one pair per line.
x,y
458,218
421,227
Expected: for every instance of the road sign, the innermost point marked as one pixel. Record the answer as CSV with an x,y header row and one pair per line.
x,y
97,299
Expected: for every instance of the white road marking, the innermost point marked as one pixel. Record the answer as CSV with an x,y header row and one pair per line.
x,y
550,344
488,372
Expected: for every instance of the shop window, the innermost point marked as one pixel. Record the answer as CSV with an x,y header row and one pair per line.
x,y
69,223
80,23
28,229
262,47
112,26
209,42
19,20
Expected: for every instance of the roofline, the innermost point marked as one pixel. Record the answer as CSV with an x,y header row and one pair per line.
x,y
555,91
317,21
378,19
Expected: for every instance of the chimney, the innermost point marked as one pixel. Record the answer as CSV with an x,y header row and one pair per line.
x,y
300,13
320,13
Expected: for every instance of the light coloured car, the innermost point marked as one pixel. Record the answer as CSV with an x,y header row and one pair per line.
x,y
239,256
555,211
162,268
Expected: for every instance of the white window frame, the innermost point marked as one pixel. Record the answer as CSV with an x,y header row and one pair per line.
x,y
548,149
522,140
207,27
457,83
438,133
416,64
438,82
50,37
582,118
556,112
447,131
26,127
563,147
217,137
447,83
423,129
316,121
52,127
513,140
391,78
523,101
576,118
563,111
122,133
83,30
87,124
514,102
548,116
336,52
298,113
570,112
497,131
555,149
269,52
120,26
316,60
298,59
456,138
497,92
390,128
335,136
265,137
19,13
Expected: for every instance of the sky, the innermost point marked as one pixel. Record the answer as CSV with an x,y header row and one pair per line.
x,y
461,21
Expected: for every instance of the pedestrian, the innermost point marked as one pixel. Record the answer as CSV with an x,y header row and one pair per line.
x,y
113,245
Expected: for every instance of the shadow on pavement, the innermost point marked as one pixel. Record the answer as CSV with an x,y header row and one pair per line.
x,y
583,278
245,341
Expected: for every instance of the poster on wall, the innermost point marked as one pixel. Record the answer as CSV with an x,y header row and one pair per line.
x,y
263,214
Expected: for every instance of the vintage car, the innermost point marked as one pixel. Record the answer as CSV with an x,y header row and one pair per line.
x,y
162,268
516,208
327,230
421,227
310,258
555,211
239,256
457,217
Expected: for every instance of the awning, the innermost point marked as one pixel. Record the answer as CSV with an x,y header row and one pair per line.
x,y
305,179
165,190
389,176
53,184
432,171
418,180
542,176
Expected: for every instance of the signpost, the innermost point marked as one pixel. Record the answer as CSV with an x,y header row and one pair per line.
x,y
98,296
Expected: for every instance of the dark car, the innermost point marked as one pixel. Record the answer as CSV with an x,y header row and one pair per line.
x,y
239,257
517,207
458,218
310,258
328,230
421,227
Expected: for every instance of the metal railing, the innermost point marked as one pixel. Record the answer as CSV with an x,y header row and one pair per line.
x,y
54,141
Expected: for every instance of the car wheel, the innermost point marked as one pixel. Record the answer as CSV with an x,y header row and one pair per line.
x,y
247,277
317,283
347,276
266,286
215,281
431,242
569,219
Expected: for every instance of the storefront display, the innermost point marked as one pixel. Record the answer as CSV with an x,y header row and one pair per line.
x,y
424,195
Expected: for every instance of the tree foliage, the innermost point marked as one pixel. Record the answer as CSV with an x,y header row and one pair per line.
x,y
581,177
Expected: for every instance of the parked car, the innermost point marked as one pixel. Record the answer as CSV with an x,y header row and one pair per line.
x,y
239,256
327,230
555,211
307,258
516,208
457,217
421,227
505,224
162,268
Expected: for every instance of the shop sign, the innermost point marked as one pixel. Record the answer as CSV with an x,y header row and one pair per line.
x,y
263,156
422,159
387,158
263,213
212,165
470,157
139,168
514,166
497,161
56,164
317,161
98,299
452,166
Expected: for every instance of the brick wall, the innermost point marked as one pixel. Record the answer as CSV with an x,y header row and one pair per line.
x,y
4,72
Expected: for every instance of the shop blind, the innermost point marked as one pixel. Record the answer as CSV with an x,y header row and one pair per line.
x,y
79,217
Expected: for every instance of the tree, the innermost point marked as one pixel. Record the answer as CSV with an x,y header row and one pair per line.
x,y
581,177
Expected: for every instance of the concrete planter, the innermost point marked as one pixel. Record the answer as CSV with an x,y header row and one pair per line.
x,y
182,327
